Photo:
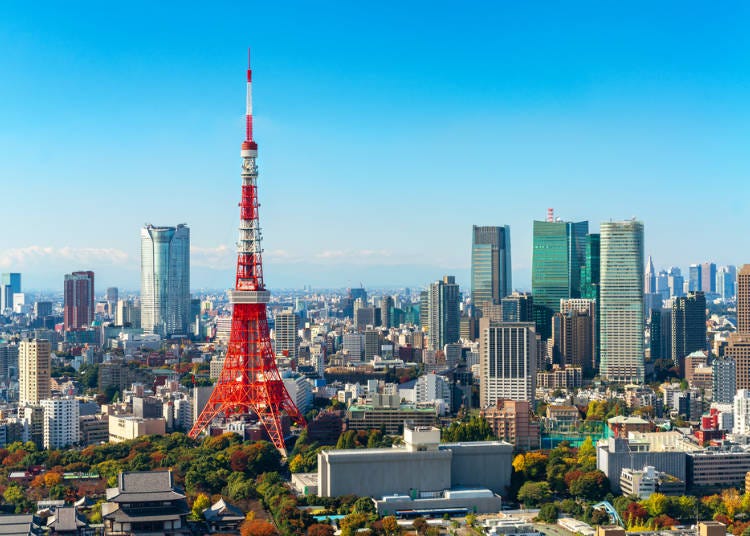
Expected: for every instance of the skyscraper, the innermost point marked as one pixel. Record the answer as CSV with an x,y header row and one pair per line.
x,y
590,283
650,283
621,307
739,342
111,296
165,279
708,277
676,282
79,300
490,265
688,326
695,279
386,308
286,341
725,279
743,300
558,255
518,307
507,361
34,368
443,312
576,340
10,283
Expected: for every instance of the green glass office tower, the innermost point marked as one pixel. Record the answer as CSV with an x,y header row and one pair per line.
x,y
490,265
559,253
621,305
590,274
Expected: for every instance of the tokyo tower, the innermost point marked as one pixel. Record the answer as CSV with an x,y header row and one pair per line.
x,y
250,382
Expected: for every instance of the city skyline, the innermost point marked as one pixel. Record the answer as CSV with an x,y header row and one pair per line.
x,y
636,125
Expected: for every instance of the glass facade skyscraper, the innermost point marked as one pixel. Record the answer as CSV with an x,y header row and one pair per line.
x,y
165,280
621,305
443,301
10,283
558,255
491,278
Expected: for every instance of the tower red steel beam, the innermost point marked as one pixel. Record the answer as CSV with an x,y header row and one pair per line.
x,y
250,382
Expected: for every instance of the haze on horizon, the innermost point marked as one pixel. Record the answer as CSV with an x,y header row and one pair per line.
x,y
384,135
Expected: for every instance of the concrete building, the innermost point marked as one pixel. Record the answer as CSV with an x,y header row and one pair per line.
x,y
93,429
128,313
560,378
621,306
574,334
300,390
372,344
423,468
724,380
741,412
643,483
165,280
60,422
507,361
385,412
512,421
739,342
125,427
617,453
286,340
354,346
79,300
34,368
215,366
431,388
717,468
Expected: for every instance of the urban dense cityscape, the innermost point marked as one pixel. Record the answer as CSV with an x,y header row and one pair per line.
x,y
610,395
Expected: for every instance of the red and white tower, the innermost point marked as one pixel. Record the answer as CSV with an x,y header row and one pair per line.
x,y
250,382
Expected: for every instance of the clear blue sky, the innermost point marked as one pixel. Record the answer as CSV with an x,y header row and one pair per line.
x,y
385,129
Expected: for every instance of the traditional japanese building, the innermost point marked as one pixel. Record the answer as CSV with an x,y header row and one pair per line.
x,y
145,503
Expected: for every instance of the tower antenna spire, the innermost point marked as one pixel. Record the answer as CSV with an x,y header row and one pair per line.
x,y
249,105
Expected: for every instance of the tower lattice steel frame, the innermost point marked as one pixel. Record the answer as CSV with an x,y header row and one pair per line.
x,y
250,382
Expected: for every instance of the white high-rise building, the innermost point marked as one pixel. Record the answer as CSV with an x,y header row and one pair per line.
x,y
34,369
286,340
507,361
165,280
300,391
621,306
60,422
742,412
431,387
183,414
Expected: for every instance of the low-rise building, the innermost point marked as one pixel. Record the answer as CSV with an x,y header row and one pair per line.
x,y
389,416
643,483
512,421
93,429
560,378
451,474
717,468
125,427
622,425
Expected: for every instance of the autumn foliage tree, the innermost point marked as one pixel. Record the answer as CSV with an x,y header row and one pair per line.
x,y
258,527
